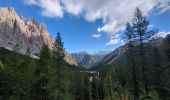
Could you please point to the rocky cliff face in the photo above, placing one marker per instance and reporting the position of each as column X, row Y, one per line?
column 70, row 60
column 17, row 33
column 23, row 35
column 111, row 57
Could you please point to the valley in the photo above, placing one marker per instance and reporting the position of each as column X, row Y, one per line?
column 36, row 66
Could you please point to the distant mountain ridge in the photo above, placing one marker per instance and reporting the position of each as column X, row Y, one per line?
column 112, row 57
column 87, row 60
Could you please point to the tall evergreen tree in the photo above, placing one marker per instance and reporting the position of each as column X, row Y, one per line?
column 167, row 46
column 95, row 88
column 108, row 88
column 59, row 48
column 167, row 72
column 24, row 75
column 8, row 81
column 143, row 34
column 87, row 90
column 158, row 68
column 1, row 64
column 59, row 80
column 131, row 60
column 43, row 73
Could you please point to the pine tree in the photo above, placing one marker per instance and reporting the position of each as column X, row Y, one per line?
column 43, row 73
column 140, row 27
column 167, row 69
column 24, row 75
column 167, row 46
column 87, row 89
column 108, row 88
column 7, row 84
column 158, row 69
column 131, row 62
column 1, row 64
column 59, row 48
column 97, row 88
column 59, row 54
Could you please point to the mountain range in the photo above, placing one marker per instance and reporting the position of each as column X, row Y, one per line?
column 23, row 36
column 88, row 60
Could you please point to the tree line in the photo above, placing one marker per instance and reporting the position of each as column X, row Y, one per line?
column 47, row 78
column 143, row 75
column 144, row 72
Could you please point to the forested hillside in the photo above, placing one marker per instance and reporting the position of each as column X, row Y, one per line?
column 47, row 78
column 141, row 72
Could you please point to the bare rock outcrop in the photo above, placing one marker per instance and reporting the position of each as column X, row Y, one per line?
column 23, row 36
column 15, row 31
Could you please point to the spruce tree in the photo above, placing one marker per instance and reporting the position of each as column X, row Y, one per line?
column 167, row 46
column 96, row 88
column 25, row 74
column 42, row 74
column 108, row 88
column 143, row 34
column 158, row 68
column 131, row 60
column 167, row 69
column 59, row 48
column 1, row 64
column 59, row 73
column 87, row 89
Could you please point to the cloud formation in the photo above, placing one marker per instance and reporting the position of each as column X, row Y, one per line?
column 161, row 34
column 96, row 35
column 114, row 13
column 112, row 42
column 50, row 8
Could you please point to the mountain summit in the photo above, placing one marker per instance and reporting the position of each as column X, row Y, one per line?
column 16, row 32
column 24, row 36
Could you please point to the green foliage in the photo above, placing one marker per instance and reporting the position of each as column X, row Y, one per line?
column 25, row 78
column 16, row 76
column 141, row 73
column 42, row 74
column 1, row 65
column 167, row 46
column 153, row 95
column 143, row 70
column 59, row 49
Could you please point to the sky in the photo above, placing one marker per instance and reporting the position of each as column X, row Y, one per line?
column 92, row 25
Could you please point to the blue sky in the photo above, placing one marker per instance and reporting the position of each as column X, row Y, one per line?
column 90, row 29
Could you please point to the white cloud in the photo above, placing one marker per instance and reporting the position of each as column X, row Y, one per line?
column 50, row 8
column 161, row 34
column 163, row 6
column 116, row 39
column 96, row 35
column 164, row 10
column 112, row 42
column 151, row 26
column 114, row 13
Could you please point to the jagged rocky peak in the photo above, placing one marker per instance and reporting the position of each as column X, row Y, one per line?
column 32, row 20
column 15, row 30
column 41, row 26
column 19, row 34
